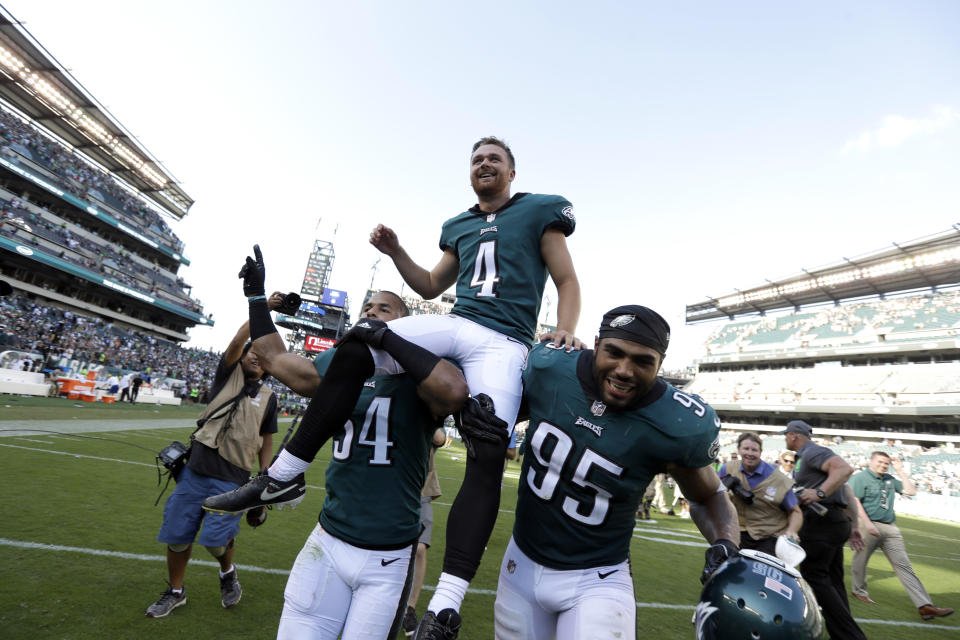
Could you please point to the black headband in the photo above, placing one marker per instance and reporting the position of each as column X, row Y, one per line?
column 637, row 324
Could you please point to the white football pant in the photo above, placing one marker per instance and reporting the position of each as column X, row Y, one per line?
column 537, row 603
column 492, row 363
column 335, row 586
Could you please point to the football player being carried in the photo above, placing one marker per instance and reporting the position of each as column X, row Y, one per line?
column 498, row 253
column 602, row 425
column 351, row 576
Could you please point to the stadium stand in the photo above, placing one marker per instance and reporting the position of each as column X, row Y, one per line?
column 27, row 146
column 867, row 351
column 912, row 318
column 50, row 341
column 72, row 233
column 84, row 206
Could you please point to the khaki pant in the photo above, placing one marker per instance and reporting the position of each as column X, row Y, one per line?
column 891, row 541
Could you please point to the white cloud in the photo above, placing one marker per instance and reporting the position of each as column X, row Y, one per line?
column 896, row 130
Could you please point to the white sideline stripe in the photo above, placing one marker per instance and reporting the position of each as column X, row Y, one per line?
column 126, row 556
column 682, row 543
column 37, row 441
column 283, row 572
column 450, row 504
column 899, row 623
column 77, row 455
column 667, row 532
column 920, row 555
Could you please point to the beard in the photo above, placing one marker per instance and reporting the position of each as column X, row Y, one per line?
column 488, row 189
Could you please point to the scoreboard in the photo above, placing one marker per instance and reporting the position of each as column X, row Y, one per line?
column 317, row 273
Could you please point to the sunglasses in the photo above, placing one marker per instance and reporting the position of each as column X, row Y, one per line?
column 790, row 460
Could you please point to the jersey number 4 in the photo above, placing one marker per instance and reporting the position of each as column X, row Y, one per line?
column 376, row 419
column 553, row 466
column 485, row 275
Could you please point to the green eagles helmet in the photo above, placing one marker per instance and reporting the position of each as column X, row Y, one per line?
column 755, row 596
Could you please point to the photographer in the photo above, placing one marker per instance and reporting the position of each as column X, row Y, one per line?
column 234, row 436
column 823, row 475
column 762, row 495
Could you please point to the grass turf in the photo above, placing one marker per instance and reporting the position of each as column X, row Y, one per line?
column 91, row 503
column 37, row 408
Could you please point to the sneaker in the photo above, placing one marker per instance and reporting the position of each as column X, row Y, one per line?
column 442, row 626
column 409, row 622
column 260, row 491
column 230, row 590
column 167, row 603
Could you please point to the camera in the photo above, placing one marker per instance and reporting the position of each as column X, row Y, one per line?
column 174, row 457
column 290, row 305
column 733, row 485
column 816, row 507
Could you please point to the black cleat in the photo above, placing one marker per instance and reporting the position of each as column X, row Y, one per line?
column 260, row 491
column 442, row 626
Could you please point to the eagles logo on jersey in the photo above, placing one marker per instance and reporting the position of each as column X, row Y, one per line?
column 755, row 595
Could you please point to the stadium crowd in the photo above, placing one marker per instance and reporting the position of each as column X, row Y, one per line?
column 29, row 223
column 80, row 178
column 880, row 320
column 74, row 344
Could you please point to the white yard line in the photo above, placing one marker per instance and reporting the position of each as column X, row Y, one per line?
column 77, row 455
column 38, row 546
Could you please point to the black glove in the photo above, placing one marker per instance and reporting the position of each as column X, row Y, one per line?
column 367, row 330
column 253, row 274
column 476, row 421
column 256, row 516
column 718, row 553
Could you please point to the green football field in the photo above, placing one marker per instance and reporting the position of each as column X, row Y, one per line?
column 78, row 555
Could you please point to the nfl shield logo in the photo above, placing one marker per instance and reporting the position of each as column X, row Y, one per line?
column 491, row 217
column 511, row 566
column 598, row 408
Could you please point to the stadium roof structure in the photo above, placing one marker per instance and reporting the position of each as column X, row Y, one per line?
column 926, row 263
column 33, row 82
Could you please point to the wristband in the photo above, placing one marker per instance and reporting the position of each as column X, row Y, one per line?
column 255, row 298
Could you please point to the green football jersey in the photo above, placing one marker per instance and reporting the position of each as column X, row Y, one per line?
column 379, row 464
column 502, row 275
column 584, row 475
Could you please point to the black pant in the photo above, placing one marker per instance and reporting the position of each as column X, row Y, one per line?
column 823, row 537
column 767, row 545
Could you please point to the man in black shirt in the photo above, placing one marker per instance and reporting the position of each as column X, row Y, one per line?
column 234, row 435
column 137, row 383
column 823, row 474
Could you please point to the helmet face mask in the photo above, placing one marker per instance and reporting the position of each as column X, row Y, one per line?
column 755, row 596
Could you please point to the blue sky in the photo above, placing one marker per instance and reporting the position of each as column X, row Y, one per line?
column 705, row 146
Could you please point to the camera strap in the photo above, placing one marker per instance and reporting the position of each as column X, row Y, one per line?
column 200, row 422
column 213, row 414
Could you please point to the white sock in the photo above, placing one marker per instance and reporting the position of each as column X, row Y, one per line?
column 223, row 573
column 287, row 467
column 449, row 594
column 176, row 591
